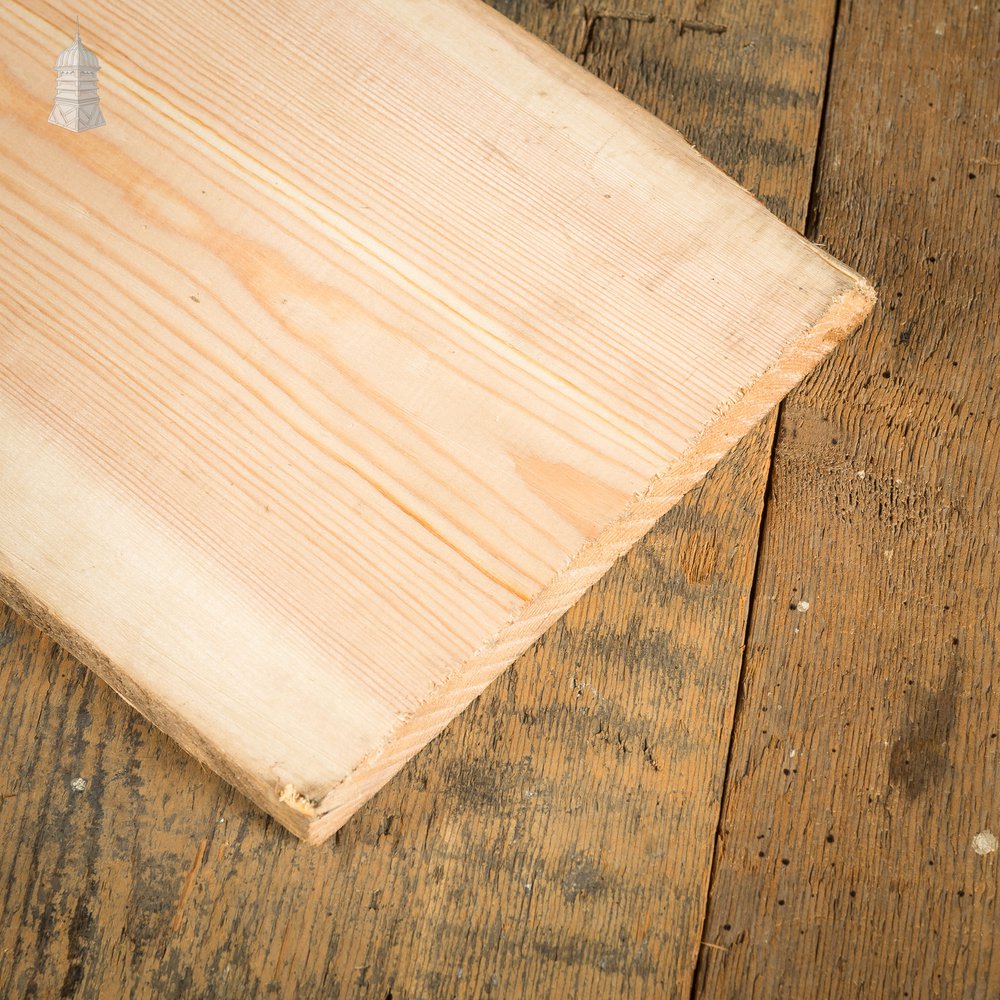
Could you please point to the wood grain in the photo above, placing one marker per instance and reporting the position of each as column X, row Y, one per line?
column 151, row 893
column 377, row 377
column 865, row 756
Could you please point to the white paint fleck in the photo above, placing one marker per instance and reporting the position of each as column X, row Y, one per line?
column 939, row 28
column 985, row 842
column 792, row 753
column 78, row 784
column 861, row 473
column 888, row 553
column 802, row 606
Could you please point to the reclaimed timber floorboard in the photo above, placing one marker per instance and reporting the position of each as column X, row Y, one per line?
column 577, row 861
column 866, row 751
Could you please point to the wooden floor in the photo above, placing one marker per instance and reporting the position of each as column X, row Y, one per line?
column 761, row 757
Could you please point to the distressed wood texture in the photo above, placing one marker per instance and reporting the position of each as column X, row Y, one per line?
column 866, row 747
column 328, row 387
column 573, row 858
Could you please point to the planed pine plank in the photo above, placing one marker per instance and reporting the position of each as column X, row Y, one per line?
column 377, row 377
column 129, row 888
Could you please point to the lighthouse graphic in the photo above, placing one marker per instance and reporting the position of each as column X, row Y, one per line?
column 77, row 106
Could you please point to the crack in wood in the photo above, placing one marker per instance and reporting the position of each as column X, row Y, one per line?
column 585, row 31
column 708, row 27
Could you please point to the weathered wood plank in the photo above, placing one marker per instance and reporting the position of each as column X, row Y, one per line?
column 378, row 375
column 865, row 759
column 134, row 880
